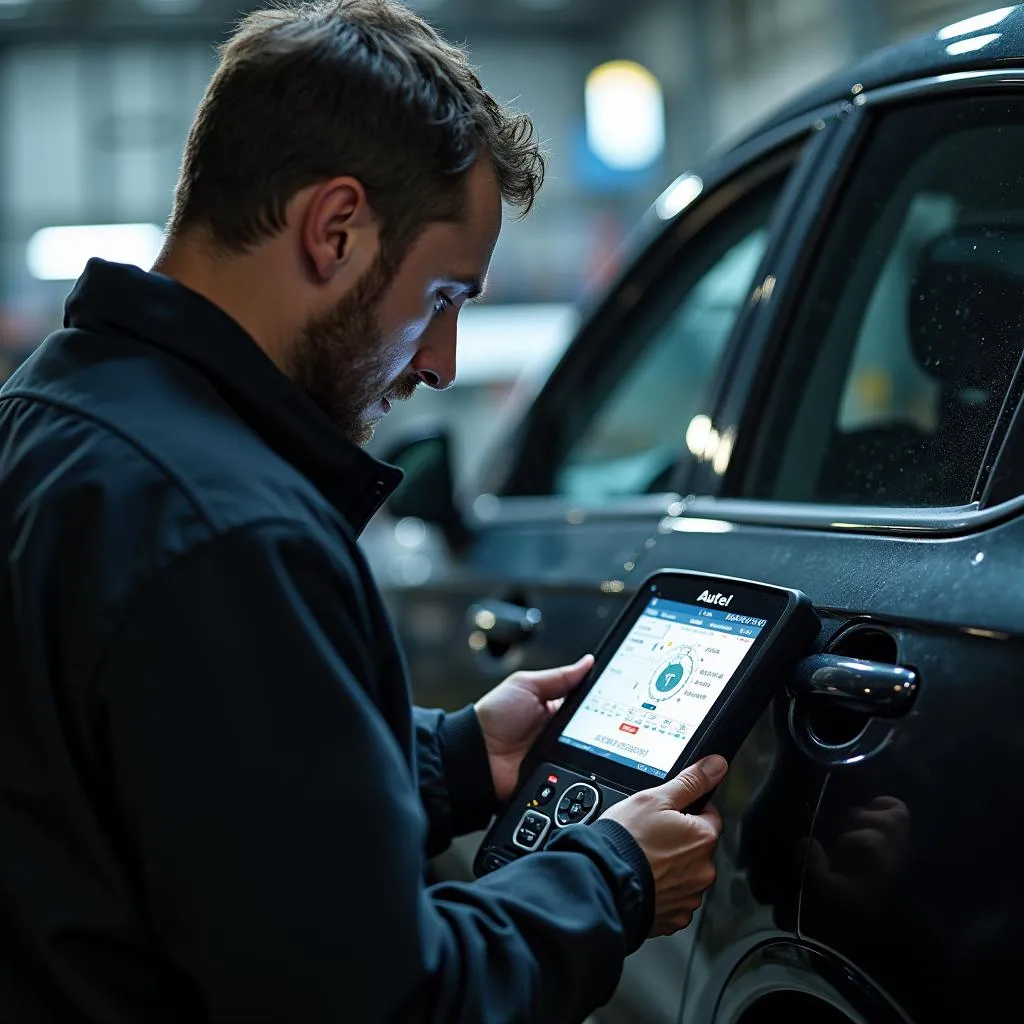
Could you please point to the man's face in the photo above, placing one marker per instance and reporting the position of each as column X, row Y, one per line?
column 393, row 331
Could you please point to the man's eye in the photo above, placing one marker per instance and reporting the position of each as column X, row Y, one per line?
column 441, row 303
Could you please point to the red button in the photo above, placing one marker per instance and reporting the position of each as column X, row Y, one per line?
column 629, row 728
column 553, row 779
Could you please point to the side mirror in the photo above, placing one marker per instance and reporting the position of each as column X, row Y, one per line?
column 428, row 490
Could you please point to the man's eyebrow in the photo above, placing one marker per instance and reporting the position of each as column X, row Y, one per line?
column 472, row 286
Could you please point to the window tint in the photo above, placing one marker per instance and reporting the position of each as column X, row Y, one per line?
column 624, row 433
column 908, row 337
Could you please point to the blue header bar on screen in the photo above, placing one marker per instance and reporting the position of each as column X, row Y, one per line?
column 716, row 619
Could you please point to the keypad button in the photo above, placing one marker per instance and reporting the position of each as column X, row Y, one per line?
column 531, row 830
column 492, row 861
column 578, row 805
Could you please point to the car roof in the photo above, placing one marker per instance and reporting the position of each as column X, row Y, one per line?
column 984, row 42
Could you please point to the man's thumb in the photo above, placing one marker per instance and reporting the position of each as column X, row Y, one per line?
column 697, row 780
column 552, row 683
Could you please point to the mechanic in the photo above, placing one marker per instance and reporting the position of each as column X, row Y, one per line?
column 216, row 800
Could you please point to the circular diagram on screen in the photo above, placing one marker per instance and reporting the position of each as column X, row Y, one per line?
column 672, row 675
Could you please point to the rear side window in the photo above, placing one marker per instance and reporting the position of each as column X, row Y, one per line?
column 631, row 441
column 912, row 327
column 614, row 423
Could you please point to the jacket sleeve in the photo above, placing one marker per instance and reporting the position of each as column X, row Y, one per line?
column 455, row 781
column 278, row 834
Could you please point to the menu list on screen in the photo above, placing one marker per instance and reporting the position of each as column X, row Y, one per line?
column 660, row 684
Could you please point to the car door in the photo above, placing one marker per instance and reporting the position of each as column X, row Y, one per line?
column 868, row 451
column 593, row 468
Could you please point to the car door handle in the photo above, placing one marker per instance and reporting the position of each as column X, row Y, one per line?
column 868, row 687
column 503, row 622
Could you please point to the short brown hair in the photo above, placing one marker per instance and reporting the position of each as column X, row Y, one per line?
column 366, row 88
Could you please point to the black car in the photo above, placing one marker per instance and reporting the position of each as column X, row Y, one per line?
column 810, row 375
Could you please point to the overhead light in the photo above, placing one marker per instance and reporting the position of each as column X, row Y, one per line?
column 970, row 45
column 678, row 196
column 625, row 115
column 975, row 24
column 61, row 253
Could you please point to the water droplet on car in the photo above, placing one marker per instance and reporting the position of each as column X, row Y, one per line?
column 978, row 558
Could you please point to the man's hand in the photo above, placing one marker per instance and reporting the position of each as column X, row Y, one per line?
column 679, row 847
column 514, row 712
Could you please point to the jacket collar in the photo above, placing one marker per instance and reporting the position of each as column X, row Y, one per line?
column 160, row 311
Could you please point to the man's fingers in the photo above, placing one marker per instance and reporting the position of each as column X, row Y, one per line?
column 553, row 683
column 695, row 781
column 712, row 817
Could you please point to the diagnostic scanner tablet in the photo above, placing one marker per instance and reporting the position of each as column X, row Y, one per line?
column 686, row 670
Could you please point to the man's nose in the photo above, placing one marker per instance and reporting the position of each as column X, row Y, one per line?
column 433, row 380
column 434, row 363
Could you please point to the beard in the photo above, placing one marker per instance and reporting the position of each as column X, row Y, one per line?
column 340, row 361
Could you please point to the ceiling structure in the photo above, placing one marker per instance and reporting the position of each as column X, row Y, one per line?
column 30, row 20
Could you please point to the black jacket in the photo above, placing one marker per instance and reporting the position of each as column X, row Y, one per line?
column 216, row 801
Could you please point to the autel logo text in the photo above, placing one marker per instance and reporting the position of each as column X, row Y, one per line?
column 720, row 599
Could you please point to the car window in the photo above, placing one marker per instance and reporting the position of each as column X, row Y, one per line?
column 909, row 333
column 635, row 435
column 613, row 421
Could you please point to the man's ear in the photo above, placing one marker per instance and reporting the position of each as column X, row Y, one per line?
column 339, row 231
